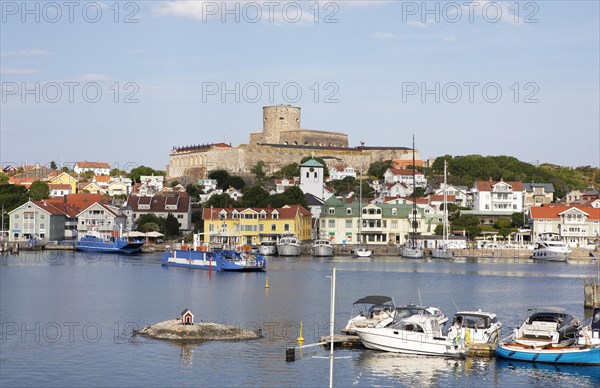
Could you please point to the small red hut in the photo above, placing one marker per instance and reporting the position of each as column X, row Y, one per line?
column 187, row 318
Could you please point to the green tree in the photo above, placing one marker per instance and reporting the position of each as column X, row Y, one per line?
column 259, row 171
column 39, row 190
column 88, row 175
column 255, row 196
column 117, row 172
column 290, row 171
column 220, row 200
column 345, row 185
column 149, row 218
column 418, row 192
column 3, row 178
column 137, row 172
column 193, row 190
column 379, row 167
column 150, row 227
column 503, row 225
column 174, row 183
column 467, row 222
column 222, row 177
column 171, row 226
column 439, row 230
column 53, row 165
column 236, row 182
column 13, row 196
column 518, row 220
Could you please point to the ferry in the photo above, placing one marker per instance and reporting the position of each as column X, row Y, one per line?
column 217, row 260
column 93, row 243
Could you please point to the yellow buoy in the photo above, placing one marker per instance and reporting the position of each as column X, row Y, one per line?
column 300, row 338
column 267, row 282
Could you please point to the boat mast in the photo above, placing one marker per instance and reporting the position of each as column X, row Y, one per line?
column 414, row 198
column 445, row 207
column 360, row 206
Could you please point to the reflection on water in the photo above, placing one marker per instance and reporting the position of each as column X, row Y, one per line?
column 187, row 355
column 549, row 375
column 413, row 371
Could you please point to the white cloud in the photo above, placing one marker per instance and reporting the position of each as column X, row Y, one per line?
column 384, row 35
column 25, row 53
column 14, row 71
column 95, row 77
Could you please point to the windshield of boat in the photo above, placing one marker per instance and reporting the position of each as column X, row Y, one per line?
column 472, row 321
column 405, row 312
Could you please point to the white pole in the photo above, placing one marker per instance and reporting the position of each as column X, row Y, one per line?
column 331, row 328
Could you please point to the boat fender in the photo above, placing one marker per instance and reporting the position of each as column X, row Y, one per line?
column 558, row 357
column 535, row 357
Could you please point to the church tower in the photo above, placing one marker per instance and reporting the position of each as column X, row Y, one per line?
column 311, row 178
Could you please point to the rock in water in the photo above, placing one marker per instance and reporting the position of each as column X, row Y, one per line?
column 204, row 331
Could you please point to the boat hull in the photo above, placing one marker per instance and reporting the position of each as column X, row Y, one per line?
column 267, row 250
column 441, row 254
column 566, row 355
column 390, row 340
column 550, row 255
column 411, row 253
column 322, row 250
column 94, row 244
column 288, row 250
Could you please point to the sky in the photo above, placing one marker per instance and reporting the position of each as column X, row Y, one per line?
column 124, row 82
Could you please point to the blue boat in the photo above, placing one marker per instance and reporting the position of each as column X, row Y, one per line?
column 90, row 243
column 217, row 260
column 575, row 355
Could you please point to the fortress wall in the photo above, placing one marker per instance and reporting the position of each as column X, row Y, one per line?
column 314, row 138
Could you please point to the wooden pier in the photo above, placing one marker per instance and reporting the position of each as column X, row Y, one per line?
column 342, row 341
column 481, row 350
column 591, row 292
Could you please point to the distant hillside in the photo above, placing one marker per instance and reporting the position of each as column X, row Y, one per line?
column 464, row 170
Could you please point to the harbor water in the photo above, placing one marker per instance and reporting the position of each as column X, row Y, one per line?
column 67, row 320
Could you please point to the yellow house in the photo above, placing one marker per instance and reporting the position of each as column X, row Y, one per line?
column 91, row 188
column 65, row 179
column 251, row 225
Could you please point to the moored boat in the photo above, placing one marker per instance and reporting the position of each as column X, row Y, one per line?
column 577, row 355
column 362, row 250
column 267, row 248
column 375, row 311
column 475, row 327
column 589, row 333
column 411, row 309
column 92, row 243
column 550, row 247
column 547, row 326
column 322, row 248
column 417, row 334
column 218, row 260
column 288, row 246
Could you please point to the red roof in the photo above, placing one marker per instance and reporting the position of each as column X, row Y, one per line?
column 78, row 201
column 554, row 211
column 487, row 185
column 59, row 186
column 286, row 212
column 404, row 171
column 87, row 164
column 440, row 198
column 49, row 208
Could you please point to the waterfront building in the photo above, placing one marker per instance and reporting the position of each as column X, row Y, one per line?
column 462, row 195
column 176, row 203
column 251, row 225
column 498, row 196
column 537, row 194
column 101, row 218
column 37, row 221
column 577, row 225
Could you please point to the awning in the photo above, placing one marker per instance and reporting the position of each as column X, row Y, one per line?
column 154, row 234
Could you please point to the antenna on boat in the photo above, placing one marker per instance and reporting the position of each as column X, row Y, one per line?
column 457, row 309
column 419, row 291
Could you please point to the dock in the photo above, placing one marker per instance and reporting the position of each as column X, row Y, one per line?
column 342, row 341
column 481, row 350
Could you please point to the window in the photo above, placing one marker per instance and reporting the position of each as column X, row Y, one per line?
column 42, row 216
column 394, row 224
column 275, row 215
column 211, row 228
column 331, row 210
column 349, row 211
column 331, row 223
column 348, row 224
column 16, row 225
column 16, row 216
column 179, row 216
column 394, row 211
column 273, row 227
column 286, row 227
column 42, row 226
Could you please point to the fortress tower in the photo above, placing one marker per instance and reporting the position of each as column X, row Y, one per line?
column 277, row 119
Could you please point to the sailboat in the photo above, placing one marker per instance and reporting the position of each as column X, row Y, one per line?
column 442, row 251
column 361, row 249
column 411, row 249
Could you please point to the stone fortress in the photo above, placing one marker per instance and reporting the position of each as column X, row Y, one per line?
column 281, row 142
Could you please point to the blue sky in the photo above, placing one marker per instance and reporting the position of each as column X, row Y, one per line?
column 364, row 67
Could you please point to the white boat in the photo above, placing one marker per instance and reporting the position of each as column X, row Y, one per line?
column 288, row 246
column 589, row 334
column 475, row 327
column 411, row 249
column 362, row 251
column 550, row 247
column 375, row 311
column 418, row 334
column 322, row 247
column 410, row 309
column 442, row 252
column 267, row 248
column 547, row 326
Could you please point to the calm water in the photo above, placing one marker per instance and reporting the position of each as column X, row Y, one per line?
column 66, row 320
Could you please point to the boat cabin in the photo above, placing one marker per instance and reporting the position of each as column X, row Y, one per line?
column 187, row 318
column 474, row 320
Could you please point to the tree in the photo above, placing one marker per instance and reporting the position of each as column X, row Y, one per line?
column 418, row 192
column 439, row 230
column 255, row 196
column 39, row 190
column 137, row 172
column 467, row 222
column 3, row 178
column 258, row 170
column 289, row 171
column 174, row 183
column 193, row 190
column 220, row 200
column 378, row 168
column 236, row 182
column 117, row 172
column 150, row 227
column 222, row 177
column 503, row 225
column 88, row 175
column 53, row 165
column 518, row 220
column 171, row 226
column 12, row 196
column 294, row 196
column 149, row 218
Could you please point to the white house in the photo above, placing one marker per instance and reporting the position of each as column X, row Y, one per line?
column 101, row 218
column 577, row 225
column 462, row 195
column 59, row 189
column 281, row 185
column 405, row 176
column 498, row 196
column 207, row 184
column 340, row 171
column 234, row 193
column 99, row 168
column 38, row 221
column 397, row 189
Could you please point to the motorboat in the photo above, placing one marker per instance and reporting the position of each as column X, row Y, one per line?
column 550, row 247
column 418, row 334
column 267, row 248
column 475, row 327
column 322, row 247
column 375, row 311
column 411, row 309
column 216, row 260
column 288, row 246
column 547, row 326
column 589, row 333
column 363, row 250
column 575, row 355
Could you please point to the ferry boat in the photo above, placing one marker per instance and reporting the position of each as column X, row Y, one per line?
column 217, row 260
column 113, row 244
column 288, row 246
column 550, row 247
